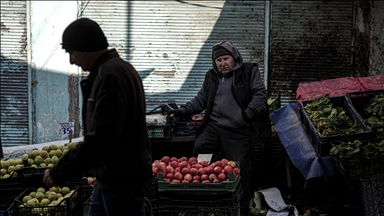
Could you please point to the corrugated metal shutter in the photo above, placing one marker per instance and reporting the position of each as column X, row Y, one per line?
column 14, row 75
column 310, row 41
column 169, row 42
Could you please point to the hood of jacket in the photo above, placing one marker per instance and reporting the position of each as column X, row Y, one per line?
column 235, row 54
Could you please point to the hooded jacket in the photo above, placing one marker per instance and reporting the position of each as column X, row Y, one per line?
column 116, row 142
column 247, row 90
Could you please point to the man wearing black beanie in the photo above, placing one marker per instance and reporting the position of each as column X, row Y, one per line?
column 114, row 126
column 234, row 98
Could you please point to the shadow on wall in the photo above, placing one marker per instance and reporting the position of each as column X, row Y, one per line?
column 242, row 23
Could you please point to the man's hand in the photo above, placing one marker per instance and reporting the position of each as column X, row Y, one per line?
column 175, row 113
column 47, row 179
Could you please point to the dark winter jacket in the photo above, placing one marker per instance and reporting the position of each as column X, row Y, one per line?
column 248, row 90
column 116, row 146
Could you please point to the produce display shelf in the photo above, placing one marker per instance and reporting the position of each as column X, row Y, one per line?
column 228, row 186
column 361, row 99
column 320, row 143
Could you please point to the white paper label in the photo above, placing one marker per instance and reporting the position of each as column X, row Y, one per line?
column 204, row 157
column 66, row 128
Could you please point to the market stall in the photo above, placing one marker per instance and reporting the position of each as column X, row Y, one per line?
column 176, row 139
column 302, row 143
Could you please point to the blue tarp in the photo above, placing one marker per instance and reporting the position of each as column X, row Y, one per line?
column 298, row 146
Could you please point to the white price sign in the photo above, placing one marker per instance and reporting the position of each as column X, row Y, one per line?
column 66, row 128
column 204, row 157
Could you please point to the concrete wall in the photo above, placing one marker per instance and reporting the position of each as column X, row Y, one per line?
column 376, row 64
column 55, row 85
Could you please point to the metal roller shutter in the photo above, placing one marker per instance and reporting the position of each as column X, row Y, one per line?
column 169, row 42
column 14, row 74
column 309, row 41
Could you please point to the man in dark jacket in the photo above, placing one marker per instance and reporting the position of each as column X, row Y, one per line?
column 116, row 147
column 234, row 98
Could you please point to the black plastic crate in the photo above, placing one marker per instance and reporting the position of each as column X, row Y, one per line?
column 201, row 203
column 160, row 129
column 358, row 166
column 152, row 196
column 179, row 126
column 11, row 187
column 320, row 143
column 158, row 123
column 372, row 194
column 87, row 188
column 13, row 182
column 6, row 206
column 68, row 206
column 33, row 177
column 361, row 99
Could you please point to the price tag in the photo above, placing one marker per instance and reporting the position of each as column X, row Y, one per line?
column 204, row 157
column 66, row 128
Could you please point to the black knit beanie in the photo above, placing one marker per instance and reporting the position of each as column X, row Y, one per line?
column 219, row 51
column 84, row 35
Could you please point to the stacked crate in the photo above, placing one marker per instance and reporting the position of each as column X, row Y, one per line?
column 205, row 199
column 10, row 188
column 321, row 143
column 360, row 100
column 367, row 168
column 372, row 194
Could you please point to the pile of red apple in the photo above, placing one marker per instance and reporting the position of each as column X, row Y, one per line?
column 189, row 170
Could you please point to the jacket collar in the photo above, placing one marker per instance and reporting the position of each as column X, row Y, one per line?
column 112, row 53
